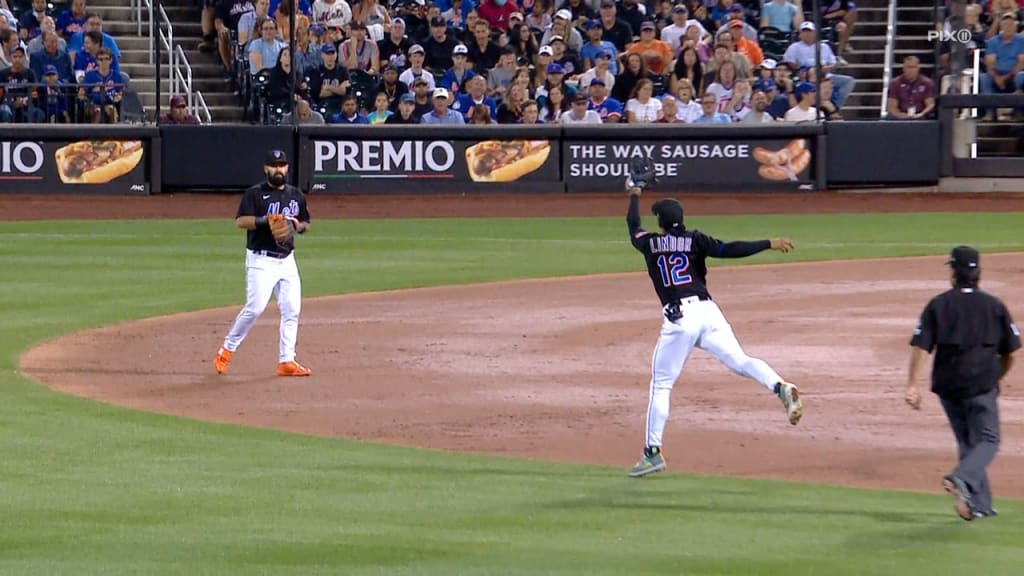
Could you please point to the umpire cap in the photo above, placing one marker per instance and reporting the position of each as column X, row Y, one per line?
column 669, row 212
column 964, row 258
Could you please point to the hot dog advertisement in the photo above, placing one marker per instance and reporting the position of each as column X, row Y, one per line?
column 402, row 166
column 727, row 164
column 103, row 166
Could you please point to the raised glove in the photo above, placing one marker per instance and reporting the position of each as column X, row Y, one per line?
column 641, row 173
column 281, row 228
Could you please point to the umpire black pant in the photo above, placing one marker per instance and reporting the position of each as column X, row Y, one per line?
column 975, row 423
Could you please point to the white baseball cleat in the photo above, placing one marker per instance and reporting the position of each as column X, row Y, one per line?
column 790, row 397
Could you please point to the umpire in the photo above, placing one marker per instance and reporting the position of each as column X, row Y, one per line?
column 973, row 337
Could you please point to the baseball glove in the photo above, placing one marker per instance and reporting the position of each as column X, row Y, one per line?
column 641, row 173
column 282, row 229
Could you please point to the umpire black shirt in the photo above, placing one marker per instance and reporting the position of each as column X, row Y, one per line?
column 969, row 330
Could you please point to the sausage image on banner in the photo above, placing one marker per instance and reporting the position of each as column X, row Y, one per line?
column 97, row 161
column 505, row 160
column 784, row 164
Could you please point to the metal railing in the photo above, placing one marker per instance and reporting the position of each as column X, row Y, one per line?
column 890, row 40
column 179, row 74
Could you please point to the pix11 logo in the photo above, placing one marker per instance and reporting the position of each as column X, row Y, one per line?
column 963, row 36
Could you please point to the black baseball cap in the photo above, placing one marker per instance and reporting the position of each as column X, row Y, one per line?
column 964, row 258
column 276, row 157
column 669, row 212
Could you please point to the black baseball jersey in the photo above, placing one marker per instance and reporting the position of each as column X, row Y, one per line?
column 969, row 330
column 677, row 261
column 262, row 200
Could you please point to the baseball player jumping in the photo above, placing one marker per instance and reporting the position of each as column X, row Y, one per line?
column 272, row 213
column 677, row 267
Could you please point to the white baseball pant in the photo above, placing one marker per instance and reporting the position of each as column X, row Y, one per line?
column 266, row 276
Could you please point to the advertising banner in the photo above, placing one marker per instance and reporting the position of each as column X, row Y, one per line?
column 340, row 166
column 82, row 166
column 730, row 164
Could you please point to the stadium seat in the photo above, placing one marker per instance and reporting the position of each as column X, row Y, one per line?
column 773, row 42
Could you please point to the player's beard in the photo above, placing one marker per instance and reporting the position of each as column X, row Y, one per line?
column 276, row 179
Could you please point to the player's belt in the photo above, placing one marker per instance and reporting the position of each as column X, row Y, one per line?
column 278, row 255
column 690, row 300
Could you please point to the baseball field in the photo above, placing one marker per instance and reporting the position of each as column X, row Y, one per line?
column 478, row 392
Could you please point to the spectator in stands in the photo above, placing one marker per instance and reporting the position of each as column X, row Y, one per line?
column 500, row 77
column 561, row 27
column 86, row 60
column 744, row 67
column 248, row 22
column 710, row 113
column 911, row 94
column 7, row 19
column 94, row 23
column 1004, row 62
column 305, row 7
column 105, row 89
column 476, row 96
column 455, row 15
column 531, row 113
column 657, row 54
column 306, row 115
column 416, row 70
column 783, row 15
column 484, row 53
column 842, row 16
column 72, row 20
column 804, row 111
column 689, row 68
column 674, row 33
column 579, row 113
column 282, row 81
column 525, row 43
column 724, row 88
column 31, row 20
column 36, row 44
column 694, row 39
column 553, row 104
column 439, row 47
column 8, row 42
column 307, row 55
column 359, row 52
column 608, row 109
column 178, row 113
column 455, row 78
column 581, row 12
column 539, row 16
column 613, row 29
column 735, row 19
column 17, row 105
column 802, row 53
column 349, row 113
column 719, row 13
column 395, row 45
column 995, row 12
column 757, row 113
column 829, row 106
column 643, row 107
column 745, row 46
column 511, row 109
column 669, row 111
column 332, row 13
column 566, row 58
column 406, row 111
column 631, row 13
column 281, row 18
column 601, row 69
column 522, row 79
column 391, row 86
column 52, row 100
column 596, row 47
column 372, row 13
column 330, row 83
column 764, row 78
column 51, row 55
column 496, row 13
column 226, row 16
column 482, row 116
column 554, row 76
column 785, row 87
column 417, row 24
column 421, row 91
column 688, row 108
column 263, row 51
column 634, row 71
column 381, row 112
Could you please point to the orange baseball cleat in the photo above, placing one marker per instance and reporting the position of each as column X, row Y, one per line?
column 292, row 368
column 222, row 361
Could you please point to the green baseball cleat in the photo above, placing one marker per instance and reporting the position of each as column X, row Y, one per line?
column 647, row 465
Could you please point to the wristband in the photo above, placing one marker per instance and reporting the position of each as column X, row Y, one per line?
column 261, row 222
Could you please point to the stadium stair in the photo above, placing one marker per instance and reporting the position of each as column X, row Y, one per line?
column 207, row 76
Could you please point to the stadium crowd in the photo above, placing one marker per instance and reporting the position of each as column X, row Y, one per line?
column 57, row 65
column 508, row 62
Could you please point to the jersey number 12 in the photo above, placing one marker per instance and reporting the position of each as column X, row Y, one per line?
column 673, row 269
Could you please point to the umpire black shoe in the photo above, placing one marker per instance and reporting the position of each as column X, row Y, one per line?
column 958, row 488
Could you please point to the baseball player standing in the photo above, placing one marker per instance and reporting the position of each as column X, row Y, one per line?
column 973, row 337
column 271, row 212
column 677, row 267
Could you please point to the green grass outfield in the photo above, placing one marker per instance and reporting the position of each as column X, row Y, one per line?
column 92, row 489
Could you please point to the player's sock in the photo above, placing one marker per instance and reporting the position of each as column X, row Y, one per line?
column 778, row 386
column 652, row 451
